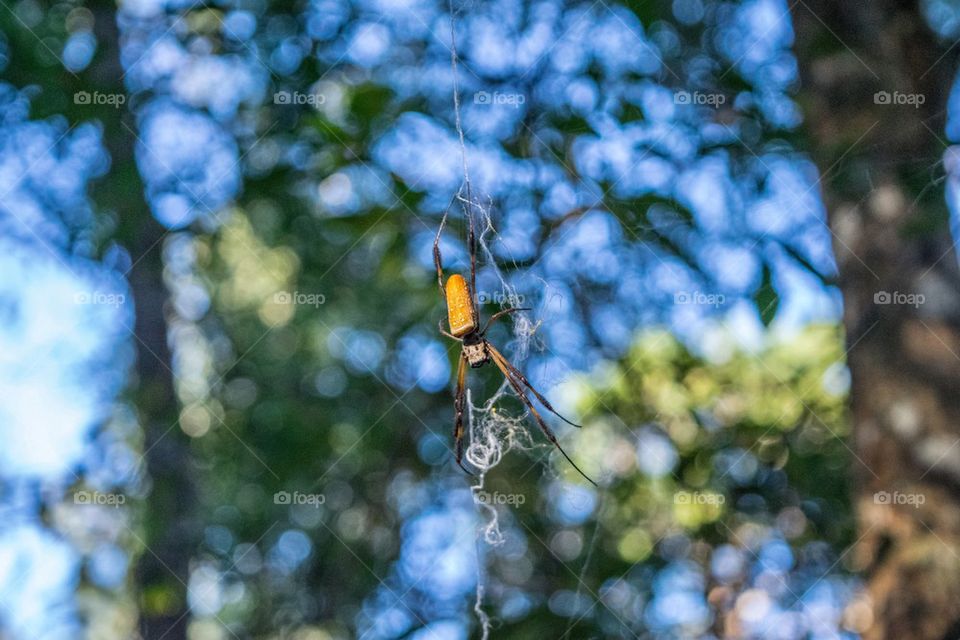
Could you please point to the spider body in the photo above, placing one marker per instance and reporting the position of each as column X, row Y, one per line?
column 464, row 321
column 475, row 350
column 461, row 315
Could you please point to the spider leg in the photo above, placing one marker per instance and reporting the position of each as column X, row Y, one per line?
column 500, row 314
column 459, row 403
column 447, row 333
column 437, row 260
column 472, row 244
column 519, row 376
column 503, row 365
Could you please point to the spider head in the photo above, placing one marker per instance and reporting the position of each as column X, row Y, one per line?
column 475, row 350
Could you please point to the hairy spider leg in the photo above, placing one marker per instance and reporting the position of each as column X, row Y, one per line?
column 500, row 314
column 504, row 367
column 523, row 379
column 459, row 404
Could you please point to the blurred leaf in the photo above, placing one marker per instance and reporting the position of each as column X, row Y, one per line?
column 766, row 298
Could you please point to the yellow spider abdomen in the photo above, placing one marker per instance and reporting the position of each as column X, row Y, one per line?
column 459, row 306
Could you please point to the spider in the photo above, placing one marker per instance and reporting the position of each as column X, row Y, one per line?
column 464, row 320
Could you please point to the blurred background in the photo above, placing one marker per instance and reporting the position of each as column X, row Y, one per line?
column 227, row 410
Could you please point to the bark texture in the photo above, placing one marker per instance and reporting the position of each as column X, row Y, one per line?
column 863, row 66
column 168, row 536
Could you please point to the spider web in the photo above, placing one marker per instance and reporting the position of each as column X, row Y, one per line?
column 490, row 433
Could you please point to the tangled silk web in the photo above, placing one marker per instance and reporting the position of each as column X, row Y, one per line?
column 491, row 432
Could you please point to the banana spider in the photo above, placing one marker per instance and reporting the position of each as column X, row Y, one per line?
column 464, row 320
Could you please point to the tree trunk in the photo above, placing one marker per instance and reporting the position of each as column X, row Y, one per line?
column 879, row 154
column 169, row 536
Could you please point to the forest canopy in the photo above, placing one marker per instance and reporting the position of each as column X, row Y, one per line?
column 714, row 240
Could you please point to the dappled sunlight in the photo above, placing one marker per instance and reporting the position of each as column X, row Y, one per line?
column 236, row 404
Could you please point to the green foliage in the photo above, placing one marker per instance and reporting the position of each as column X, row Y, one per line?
column 778, row 411
column 264, row 416
column 759, row 443
column 782, row 406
